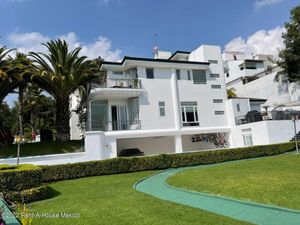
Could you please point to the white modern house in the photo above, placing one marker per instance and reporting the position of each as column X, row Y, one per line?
column 175, row 103
column 172, row 103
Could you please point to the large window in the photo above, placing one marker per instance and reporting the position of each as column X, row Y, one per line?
column 199, row 76
column 189, row 114
column 150, row 73
column 162, row 110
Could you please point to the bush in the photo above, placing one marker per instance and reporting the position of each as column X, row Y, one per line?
column 22, row 183
column 28, row 195
column 18, row 178
column 133, row 164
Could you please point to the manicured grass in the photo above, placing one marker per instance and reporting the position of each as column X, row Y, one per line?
column 112, row 199
column 271, row 180
column 43, row 148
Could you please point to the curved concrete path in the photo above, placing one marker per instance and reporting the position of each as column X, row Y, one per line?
column 241, row 210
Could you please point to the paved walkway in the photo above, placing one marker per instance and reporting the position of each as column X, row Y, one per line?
column 241, row 210
column 8, row 217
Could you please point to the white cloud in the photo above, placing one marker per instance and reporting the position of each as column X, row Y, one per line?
column 102, row 46
column 263, row 3
column 262, row 41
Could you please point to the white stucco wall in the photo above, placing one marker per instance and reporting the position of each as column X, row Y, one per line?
column 265, row 132
column 265, row 87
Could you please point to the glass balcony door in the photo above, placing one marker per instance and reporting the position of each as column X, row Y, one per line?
column 119, row 117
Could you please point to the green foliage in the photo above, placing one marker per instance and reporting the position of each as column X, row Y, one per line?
column 164, row 161
column 27, row 195
column 61, row 73
column 20, row 178
column 41, row 148
column 290, row 56
column 231, row 93
column 22, row 183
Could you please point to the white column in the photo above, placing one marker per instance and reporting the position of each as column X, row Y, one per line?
column 178, row 144
column 175, row 99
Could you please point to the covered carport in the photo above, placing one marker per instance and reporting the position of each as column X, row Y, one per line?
column 148, row 145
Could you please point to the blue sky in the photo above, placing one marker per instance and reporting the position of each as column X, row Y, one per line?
column 114, row 28
column 128, row 26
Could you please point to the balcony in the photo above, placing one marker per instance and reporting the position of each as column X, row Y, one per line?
column 123, row 83
column 99, row 125
column 254, row 116
column 118, row 88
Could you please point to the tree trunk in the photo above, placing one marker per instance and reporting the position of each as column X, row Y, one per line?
column 63, row 119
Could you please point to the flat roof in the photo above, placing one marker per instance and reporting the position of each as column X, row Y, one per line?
column 251, row 99
column 179, row 52
column 128, row 58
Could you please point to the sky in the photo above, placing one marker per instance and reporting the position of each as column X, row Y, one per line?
column 115, row 28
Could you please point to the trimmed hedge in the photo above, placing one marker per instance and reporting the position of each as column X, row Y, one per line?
column 28, row 195
column 22, row 183
column 18, row 178
column 164, row 161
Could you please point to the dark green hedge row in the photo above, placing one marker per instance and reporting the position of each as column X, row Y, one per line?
column 18, row 178
column 125, row 165
column 29, row 195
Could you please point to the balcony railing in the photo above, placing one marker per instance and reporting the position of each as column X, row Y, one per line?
column 122, row 83
column 272, row 115
column 100, row 125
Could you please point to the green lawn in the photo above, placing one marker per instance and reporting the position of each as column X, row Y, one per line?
column 272, row 180
column 106, row 200
column 43, row 148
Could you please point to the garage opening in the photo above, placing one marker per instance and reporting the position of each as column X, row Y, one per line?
column 148, row 145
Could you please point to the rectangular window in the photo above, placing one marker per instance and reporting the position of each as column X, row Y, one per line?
column 248, row 141
column 162, row 110
column 215, row 86
column 250, row 66
column 189, row 114
column 150, row 73
column 217, row 100
column 238, row 108
column 199, row 76
column 189, row 75
column 219, row 113
column 213, row 61
column 178, row 74
column 117, row 72
column 214, row 75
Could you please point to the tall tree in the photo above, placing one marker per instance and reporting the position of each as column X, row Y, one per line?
column 7, row 82
column 290, row 56
column 61, row 73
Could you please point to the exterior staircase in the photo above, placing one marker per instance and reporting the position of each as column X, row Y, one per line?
column 296, row 136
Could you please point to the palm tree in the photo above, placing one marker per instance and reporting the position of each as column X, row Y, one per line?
column 61, row 73
column 231, row 93
column 7, row 83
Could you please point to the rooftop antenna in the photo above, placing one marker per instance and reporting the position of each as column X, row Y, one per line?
column 155, row 49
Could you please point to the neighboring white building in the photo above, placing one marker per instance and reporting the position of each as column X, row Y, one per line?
column 254, row 77
column 177, row 103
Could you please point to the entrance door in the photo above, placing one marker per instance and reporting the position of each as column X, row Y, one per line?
column 119, row 117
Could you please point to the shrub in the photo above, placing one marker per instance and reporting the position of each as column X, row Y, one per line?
column 22, row 183
column 28, row 195
column 18, row 178
column 163, row 161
